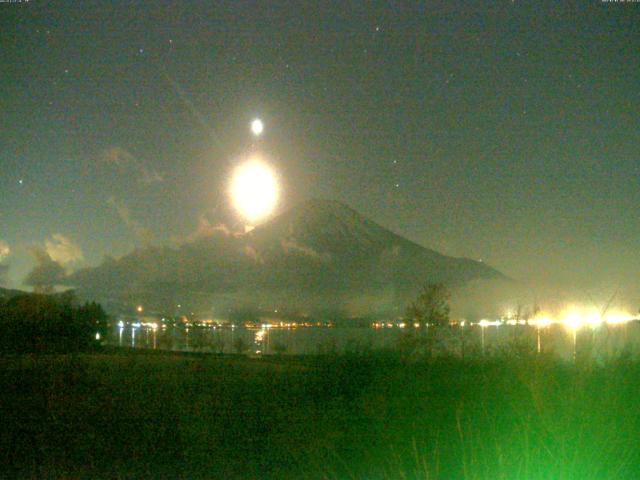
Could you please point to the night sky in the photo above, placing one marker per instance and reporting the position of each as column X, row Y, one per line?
column 501, row 131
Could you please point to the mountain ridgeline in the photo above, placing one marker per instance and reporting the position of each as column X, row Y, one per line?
column 320, row 256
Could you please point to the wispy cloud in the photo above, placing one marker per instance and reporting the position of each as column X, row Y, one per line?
column 127, row 162
column 118, row 156
column 291, row 246
column 142, row 233
column 149, row 176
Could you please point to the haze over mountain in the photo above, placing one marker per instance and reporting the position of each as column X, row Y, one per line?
column 320, row 256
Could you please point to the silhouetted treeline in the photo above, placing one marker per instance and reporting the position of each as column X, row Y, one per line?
column 49, row 323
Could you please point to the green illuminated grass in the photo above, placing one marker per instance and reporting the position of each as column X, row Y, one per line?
column 360, row 415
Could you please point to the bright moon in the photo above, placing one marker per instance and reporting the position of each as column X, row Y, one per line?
column 257, row 127
column 254, row 190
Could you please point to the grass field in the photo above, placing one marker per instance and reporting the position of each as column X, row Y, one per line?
column 123, row 414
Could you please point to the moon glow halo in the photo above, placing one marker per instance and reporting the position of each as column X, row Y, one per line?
column 254, row 190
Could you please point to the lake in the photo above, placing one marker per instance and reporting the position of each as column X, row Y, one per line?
column 600, row 342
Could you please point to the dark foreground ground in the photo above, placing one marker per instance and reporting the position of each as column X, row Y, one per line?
column 373, row 416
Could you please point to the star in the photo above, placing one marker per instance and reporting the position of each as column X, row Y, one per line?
column 21, row 181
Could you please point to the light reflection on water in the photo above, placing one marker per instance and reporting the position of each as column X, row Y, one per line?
column 600, row 343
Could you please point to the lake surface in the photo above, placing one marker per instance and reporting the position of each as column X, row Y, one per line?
column 601, row 342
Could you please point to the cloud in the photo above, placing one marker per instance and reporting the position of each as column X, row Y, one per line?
column 5, row 251
column 291, row 247
column 63, row 250
column 118, row 156
column 53, row 262
column 142, row 233
column 206, row 229
column 47, row 273
column 253, row 254
column 126, row 162
column 3, row 273
column 150, row 176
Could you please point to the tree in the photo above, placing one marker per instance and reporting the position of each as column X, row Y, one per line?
column 431, row 307
column 49, row 323
column 93, row 314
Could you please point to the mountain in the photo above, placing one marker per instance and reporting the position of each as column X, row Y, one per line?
column 318, row 256
column 6, row 294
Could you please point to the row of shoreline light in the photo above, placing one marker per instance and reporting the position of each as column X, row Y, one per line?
column 572, row 318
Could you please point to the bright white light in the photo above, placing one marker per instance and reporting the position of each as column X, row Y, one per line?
column 254, row 190
column 541, row 322
column 572, row 319
column 257, row 127
column 593, row 318
column 489, row 323
column 615, row 318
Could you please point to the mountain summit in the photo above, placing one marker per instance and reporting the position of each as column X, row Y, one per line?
column 328, row 226
column 319, row 255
